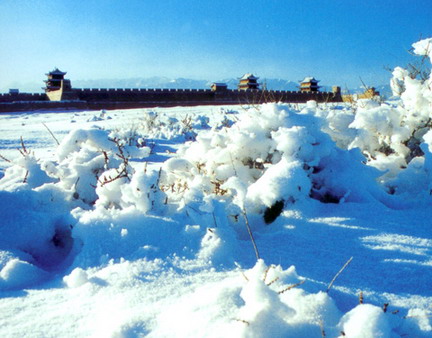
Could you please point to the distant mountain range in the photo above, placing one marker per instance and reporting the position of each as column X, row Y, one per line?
column 150, row 82
column 167, row 83
column 184, row 83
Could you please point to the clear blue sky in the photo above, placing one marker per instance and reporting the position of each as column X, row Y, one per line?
column 337, row 41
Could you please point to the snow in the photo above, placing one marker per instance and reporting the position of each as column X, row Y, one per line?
column 130, row 223
column 309, row 79
column 365, row 320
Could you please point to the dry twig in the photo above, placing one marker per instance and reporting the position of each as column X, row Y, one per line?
column 361, row 299
column 337, row 275
column 5, row 159
column 242, row 321
column 250, row 234
column 321, row 324
column 24, row 152
column 55, row 139
column 292, row 286
column 273, row 281
column 267, row 271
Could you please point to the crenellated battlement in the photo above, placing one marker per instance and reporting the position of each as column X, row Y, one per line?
column 17, row 97
column 123, row 98
column 181, row 95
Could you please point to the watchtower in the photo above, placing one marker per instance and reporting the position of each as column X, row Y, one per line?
column 57, row 87
column 219, row 87
column 309, row 84
column 247, row 82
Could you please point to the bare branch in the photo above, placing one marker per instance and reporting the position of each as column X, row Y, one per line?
column 24, row 152
column 273, row 281
column 55, row 139
column 292, row 286
column 337, row 275
column 250, row 234
column 25, row 177
column 5, row 159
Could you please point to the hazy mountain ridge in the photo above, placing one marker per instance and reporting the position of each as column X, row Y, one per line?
column 150, row 82
column 167, row 83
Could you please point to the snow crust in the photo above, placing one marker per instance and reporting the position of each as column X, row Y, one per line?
column 142, row 228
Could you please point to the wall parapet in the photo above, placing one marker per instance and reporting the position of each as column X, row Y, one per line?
column 146, row 97
column 16, row 97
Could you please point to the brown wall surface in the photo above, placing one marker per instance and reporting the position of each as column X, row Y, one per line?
column 22, row 97
column 147, row 98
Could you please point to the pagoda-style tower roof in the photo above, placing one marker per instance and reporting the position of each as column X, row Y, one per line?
column 249, row 76
column 309, row 84
column 310, row 79
column 56, row 71
column 248, row 81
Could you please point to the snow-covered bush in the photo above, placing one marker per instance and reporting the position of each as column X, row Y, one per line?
column 392, row 136
column 91, row 167
column 27, row 172
column 84, row 155
column 270, row 157
column 91, row 158
column 155, row 125
column 410, row 122
column 269, row 301
column 140, row 191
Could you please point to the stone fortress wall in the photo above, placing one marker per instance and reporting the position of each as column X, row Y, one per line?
column 147, row 98
column 67, row 97
column 202, row 95
column 23, row 97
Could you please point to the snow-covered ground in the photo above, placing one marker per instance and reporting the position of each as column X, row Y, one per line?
column 220, row 221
